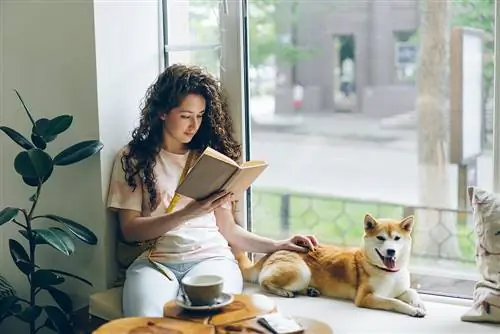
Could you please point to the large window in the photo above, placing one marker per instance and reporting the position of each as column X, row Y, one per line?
column 380, row 107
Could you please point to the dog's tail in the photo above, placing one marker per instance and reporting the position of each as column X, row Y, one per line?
column 249, row 270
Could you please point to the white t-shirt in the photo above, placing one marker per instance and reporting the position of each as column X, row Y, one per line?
column 194, row 240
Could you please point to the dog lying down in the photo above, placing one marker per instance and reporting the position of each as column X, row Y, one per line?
column 374, row 275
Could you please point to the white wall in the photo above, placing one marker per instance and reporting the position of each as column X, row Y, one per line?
column 93, row 60
column 128, row 45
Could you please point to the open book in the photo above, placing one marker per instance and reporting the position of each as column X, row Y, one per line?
column 279, row 323
column 214, row 171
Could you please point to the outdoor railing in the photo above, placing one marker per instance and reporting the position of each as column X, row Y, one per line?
column 447, row 234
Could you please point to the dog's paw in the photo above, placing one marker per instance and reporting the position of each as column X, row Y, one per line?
column 284, row 293
column 418, row 304
column 419, row 312
column 313, row 292
column 288, row 294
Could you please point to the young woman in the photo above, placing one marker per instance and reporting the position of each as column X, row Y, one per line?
column 185, row 110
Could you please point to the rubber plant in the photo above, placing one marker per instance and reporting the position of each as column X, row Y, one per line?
column 35, row 167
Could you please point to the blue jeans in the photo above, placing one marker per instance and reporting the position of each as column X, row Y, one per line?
column 146, row 290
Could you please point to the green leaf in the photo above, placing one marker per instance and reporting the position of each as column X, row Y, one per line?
column 44, row 278
column 60, row 272
column 38, row 240
column 25, row 108
column 17, row 137
column 34, row 182
column 62, row 299
column 81, row 232
column 78, row 152
column 19, row 256
column 17, row 251
column 38, row 141
column 34, row 164
column 49, row 325
column 7, row 214
column 57, row 238
column 31, row 182
column 59, row 320
column 6, row 305
column 40, row 128
column 58, row 125
column 30, row 313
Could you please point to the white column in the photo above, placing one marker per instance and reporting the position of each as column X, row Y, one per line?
column 232, row 77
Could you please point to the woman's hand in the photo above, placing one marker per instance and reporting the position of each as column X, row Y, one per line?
column 298, row 243
column 198, row 208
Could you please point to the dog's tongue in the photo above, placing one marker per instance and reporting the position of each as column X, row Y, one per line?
column 390, row 262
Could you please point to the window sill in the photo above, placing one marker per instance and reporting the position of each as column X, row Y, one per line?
column 443, row 315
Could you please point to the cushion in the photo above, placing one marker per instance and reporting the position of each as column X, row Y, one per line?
column 106, row 305
column 486, row 296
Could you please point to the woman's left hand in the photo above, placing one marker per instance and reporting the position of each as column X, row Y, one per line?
column 298, row 243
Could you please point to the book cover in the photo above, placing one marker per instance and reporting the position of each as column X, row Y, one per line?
column 214, row 171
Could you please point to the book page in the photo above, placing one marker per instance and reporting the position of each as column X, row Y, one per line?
column 206, row 177
column 244, row 177
column 253, row 163
column 217, row 155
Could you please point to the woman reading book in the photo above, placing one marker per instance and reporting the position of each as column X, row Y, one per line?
column 184, row 112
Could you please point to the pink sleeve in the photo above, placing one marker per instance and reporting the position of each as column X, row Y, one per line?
column 121, row 195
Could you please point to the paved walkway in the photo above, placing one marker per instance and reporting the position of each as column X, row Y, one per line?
column 347, row 155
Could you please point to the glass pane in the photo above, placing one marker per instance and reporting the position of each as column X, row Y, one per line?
column 210, row 59
column 193, row 30
column 192, row 22
column 352, row 106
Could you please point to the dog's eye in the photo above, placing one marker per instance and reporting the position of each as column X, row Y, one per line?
column 381, row 238
column 397, row 238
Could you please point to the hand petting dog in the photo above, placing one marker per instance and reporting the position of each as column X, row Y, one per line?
column 298, row 243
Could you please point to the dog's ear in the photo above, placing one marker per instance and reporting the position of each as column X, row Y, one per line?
column 407, row 223
column 370, row 222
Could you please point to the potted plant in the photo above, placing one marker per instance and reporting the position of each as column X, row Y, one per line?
column 35, row 167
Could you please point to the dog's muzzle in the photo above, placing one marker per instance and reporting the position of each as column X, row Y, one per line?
column 389, row 260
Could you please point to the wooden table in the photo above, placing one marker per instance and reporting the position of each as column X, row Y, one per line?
column 237, row 318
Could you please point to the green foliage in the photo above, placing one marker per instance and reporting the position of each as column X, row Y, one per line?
column 265, row 44
column 264, row 39
column 475, row 14
column 35, row 166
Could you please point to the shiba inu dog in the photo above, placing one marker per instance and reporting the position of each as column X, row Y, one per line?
column 374, row 275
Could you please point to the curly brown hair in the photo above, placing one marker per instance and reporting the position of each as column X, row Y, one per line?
column 165, row 94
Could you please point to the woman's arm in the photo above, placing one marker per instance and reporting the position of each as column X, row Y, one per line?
column 247, row 241
column 137, row 228
column 134, row 227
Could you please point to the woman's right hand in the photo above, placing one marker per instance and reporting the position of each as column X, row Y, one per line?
column 207, row 205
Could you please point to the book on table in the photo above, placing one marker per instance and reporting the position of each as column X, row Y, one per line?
column 279, row 323
column 214, row 171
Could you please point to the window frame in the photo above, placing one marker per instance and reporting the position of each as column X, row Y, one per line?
column 233, row 75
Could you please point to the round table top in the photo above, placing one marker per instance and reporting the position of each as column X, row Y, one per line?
column 238, row 317
column 146, row 325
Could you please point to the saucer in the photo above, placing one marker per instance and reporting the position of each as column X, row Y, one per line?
column 224, row 300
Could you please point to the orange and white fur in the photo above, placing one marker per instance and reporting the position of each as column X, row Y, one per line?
column 374, row 275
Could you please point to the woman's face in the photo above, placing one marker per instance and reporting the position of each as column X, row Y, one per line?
column 182, row 123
